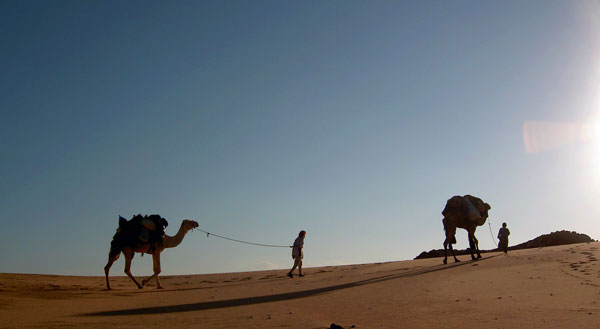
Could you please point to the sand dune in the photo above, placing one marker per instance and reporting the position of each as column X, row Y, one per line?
column 555, row 287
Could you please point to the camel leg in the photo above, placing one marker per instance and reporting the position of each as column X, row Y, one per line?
column 473, row 244
column 445, row 254
column 112, row 257
column 471, row 247
column 128, row 257
column 453, row 255
column 476, row 245
column 445, row 261
column 156, row 267
column 448, row 243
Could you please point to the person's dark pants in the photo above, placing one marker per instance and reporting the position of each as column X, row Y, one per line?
column 503, row 245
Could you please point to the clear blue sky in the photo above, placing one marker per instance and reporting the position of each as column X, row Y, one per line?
column 352, row 120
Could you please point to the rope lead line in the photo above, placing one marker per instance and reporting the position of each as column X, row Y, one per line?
column 492, row 234
column 240, row 241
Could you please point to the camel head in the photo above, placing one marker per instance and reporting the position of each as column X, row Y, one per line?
column 189, row 224
column 484, row 214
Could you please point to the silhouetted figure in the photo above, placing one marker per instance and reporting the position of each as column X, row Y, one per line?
column 297, row 254
column 503, row 237
column 466, row 212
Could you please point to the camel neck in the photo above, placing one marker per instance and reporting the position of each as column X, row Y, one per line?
column 174, row 241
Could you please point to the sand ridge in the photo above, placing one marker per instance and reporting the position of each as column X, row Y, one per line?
column 557, row 287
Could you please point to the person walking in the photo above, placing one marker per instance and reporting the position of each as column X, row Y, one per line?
column 503, row 237
column 297, row 254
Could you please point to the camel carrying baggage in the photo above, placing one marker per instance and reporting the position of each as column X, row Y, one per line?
column 127, row 241
column 465, row 212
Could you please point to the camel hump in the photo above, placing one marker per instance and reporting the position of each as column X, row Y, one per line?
column 452, row 203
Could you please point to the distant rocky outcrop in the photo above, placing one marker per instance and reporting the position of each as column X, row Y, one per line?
column 553, row 239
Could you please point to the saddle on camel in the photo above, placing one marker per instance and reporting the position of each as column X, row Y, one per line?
column 148, row 229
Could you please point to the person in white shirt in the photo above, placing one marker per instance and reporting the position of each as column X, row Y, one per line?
column 297, row 254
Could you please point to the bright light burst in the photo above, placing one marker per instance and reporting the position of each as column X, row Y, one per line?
column 545, row 136
column 539, row 136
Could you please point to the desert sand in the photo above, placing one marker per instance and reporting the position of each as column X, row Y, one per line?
column 554, row 287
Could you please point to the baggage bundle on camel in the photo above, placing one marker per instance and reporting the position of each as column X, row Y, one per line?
column 470, row 211
column 473, row 208
column 149, row 229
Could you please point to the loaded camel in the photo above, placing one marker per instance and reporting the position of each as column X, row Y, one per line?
column 466, row 212
column 128, row 241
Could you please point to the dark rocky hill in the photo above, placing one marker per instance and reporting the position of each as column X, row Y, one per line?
column 553, row 239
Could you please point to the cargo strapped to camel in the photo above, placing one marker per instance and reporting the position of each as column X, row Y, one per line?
column 148, row 229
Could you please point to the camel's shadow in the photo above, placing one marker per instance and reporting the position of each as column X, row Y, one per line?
column 275, row 297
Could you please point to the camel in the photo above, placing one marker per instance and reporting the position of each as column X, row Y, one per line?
column 132, row 245
column 466, row 212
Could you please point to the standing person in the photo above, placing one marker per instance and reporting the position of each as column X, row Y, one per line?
column 297, row 254
column 503, row 237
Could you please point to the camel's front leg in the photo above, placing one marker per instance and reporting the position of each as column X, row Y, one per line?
column 156, row 268
column 476, row 245
column 128, row 257
column 473, row 244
